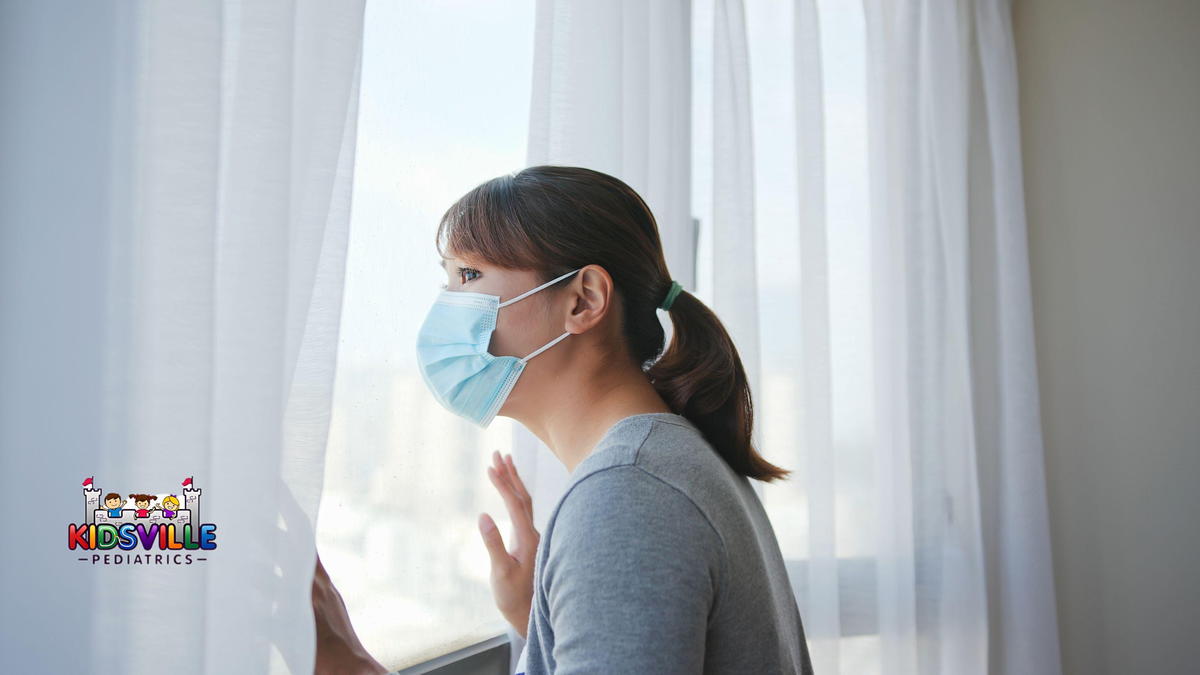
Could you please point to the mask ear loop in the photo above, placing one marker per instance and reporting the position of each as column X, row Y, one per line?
column 531, row 292
column 535, row 290
column 546, row 346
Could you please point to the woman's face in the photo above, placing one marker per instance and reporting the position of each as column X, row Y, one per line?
column 522, row 327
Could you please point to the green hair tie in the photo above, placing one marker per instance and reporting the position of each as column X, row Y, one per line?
column 666, row 303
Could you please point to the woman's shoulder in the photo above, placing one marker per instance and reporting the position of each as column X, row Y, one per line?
column 653, row 470
column 665, row 445
column 651, row 458
column 625, row 517
column 620, row 492
column 622, row 515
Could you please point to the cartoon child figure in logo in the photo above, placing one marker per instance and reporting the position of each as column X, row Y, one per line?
column 142, row 502
column 170, row 506
column 113, row 502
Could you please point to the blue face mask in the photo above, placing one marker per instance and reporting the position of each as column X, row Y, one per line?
column 453, row 357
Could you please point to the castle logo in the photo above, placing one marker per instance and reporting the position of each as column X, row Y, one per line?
column 166, row 527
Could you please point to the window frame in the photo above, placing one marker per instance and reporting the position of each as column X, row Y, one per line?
column 492, row 656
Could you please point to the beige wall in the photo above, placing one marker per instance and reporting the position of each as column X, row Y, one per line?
column 1110, row 106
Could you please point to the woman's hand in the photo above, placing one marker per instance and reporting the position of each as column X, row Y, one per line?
column 338, row 647
column 512, row 573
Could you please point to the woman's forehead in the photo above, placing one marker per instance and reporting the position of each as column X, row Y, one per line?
column 462, row 258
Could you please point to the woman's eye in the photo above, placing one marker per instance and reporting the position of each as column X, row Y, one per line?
column 465, row 272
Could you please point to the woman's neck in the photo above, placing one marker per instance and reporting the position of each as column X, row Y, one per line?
column 581, row 415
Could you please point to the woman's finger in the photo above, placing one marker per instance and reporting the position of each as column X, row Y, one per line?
column 501, row 560
column 508, row 469
column 514, row 504
column 524, row 534
column 501, row 469
column 515, row 479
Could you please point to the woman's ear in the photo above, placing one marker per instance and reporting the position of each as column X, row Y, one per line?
column 591, row 298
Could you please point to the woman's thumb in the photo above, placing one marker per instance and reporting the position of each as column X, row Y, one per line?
column 493, row 541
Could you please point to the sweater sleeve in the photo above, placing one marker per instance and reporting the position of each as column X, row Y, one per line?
column 632, row 573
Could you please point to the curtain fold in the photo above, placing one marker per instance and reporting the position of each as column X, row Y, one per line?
column 919, row 56
column 734, row 242
column 1023, row 619
column 822, row 612
column 213, row 297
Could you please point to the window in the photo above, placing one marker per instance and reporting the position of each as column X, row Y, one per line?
column 444, row 106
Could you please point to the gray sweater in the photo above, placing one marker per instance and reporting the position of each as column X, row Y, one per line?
column 660, row 559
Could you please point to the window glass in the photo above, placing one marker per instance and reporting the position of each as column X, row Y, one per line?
column 444, row 106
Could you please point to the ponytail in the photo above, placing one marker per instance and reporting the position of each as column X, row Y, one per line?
column 701, row 377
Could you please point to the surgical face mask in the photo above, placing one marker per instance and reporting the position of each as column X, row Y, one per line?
column 453, row 357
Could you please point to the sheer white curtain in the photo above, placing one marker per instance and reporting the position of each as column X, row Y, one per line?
column 855, row 169
column 963, row 538
column 175, row 198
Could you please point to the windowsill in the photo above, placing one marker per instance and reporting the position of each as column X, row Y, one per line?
column 492, row 655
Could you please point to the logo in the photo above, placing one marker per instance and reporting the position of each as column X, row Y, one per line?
column 146, row 528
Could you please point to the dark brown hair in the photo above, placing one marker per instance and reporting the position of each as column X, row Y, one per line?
column 112, row 495
column 554, row 219
column 142, row 498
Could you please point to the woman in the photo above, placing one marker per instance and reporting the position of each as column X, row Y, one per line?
column 659, row 557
